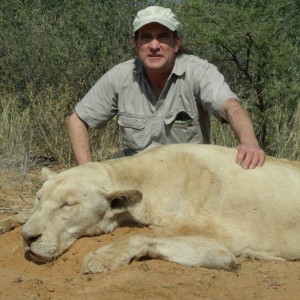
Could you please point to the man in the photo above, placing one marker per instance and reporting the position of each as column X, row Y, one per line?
column 163, row 96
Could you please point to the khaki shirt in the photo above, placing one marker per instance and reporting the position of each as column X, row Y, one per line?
column 193, row 91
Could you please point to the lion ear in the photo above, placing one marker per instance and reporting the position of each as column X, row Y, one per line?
column 47, row 174
column 120, row 201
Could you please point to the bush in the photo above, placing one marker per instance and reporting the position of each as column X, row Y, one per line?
column 52, row 52
column 255, row 44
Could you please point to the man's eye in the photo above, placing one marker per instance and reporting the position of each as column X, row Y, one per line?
column 145, row 37
column 165, row 36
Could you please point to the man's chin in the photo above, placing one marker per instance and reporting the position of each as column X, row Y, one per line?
column 156, row 67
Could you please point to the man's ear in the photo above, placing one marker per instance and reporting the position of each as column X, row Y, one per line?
column 177, row 43
column 120, row 201
column 47, row 174
column 135, row 48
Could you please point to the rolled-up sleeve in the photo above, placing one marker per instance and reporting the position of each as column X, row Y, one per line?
column 100, row 104
column 213, row 89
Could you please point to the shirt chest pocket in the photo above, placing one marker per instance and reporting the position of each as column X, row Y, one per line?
column 182, row 127
column 133, row 131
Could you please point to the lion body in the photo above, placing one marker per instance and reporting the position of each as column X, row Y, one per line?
column 205, row 209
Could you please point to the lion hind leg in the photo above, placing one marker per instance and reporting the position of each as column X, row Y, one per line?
column 185, row 250
column 14, row 221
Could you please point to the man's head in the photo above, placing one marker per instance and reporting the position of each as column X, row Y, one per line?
column 156, row 41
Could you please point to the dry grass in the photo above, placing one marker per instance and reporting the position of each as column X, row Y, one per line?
column 38, row 134
column 15, row 135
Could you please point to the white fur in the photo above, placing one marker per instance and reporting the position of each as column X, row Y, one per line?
column 206, row 209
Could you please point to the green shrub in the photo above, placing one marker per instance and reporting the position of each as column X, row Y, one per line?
column 255, row 44
column 52, row 52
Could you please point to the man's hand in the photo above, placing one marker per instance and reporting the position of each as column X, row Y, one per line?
column 250, row 156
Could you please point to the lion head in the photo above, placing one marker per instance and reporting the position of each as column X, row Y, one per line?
column 71, row 205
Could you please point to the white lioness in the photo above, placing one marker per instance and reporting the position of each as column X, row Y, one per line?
column 208, row 209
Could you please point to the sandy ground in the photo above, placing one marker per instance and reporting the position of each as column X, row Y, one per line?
column 147, row 279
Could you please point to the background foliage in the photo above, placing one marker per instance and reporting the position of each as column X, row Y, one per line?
column 52, row 52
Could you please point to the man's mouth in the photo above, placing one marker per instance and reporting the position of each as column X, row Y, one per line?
column 155, row 56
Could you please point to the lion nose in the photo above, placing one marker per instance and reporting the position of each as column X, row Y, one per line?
column 30, row 238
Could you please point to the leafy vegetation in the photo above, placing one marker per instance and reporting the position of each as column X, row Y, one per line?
column 256, row 46
column 52, row 52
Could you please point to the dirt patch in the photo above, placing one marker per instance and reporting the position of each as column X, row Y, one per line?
column 147, row 279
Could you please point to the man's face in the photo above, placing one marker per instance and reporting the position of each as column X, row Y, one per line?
column 157, row 48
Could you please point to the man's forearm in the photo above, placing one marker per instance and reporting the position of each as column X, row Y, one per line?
column 250, row 155
column 79, row 139
column 240, row 122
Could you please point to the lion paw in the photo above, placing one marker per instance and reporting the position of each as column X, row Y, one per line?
column 106, row 258
column 96, row 263
column 7, row 225
column 14, row 221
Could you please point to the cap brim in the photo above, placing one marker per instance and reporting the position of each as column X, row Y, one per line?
column 147, row 21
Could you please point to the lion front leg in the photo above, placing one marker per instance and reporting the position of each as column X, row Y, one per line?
column 116, row 254
column 14, row 221
column 185, row 250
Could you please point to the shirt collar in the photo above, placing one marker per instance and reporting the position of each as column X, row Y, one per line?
column 138, row 66
column 179, row 67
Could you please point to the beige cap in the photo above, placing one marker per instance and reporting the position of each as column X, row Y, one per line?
column 156, row 14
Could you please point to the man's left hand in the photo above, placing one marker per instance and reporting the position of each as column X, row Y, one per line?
column 250, row 156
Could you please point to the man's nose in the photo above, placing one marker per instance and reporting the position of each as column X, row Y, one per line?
column 154, row 44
